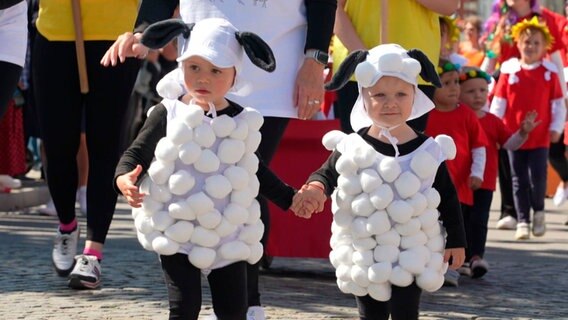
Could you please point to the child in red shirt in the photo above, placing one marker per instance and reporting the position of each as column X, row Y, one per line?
column 514, row 98
column 473, row 93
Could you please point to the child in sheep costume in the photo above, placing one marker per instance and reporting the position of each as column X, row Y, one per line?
column 196, row 207
column 385, row 182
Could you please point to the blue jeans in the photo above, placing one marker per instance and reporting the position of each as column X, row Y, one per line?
column 477, row 222
column 529, row 180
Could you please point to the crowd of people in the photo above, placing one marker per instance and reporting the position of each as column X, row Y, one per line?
column 179, row 107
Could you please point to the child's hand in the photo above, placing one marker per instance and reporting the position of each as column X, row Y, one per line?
column 127, row 185
column 457, row 255
column 475, row 183
column 529, row 123
column 554, row 136
column 309, row 199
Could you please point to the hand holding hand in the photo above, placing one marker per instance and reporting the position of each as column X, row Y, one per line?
column 127, row 185
column 309, row 199
column 475, row 183
column 457, row 255
column 126, row 45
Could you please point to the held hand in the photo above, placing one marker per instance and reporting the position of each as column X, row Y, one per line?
column 127, row 185
column 308, row 90
column 457, row 255
column 126, row 45
column 474, row 183
column 529, row 122
column 554, row 136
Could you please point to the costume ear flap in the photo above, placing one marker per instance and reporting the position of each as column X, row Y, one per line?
column 257, row 50
column 159, row 34
column 346, row 69
column 428, row 72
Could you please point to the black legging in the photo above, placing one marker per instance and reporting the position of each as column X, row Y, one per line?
column 272, row 131
column 403, row 305
column 9, row 76
column 183, row 280
column 557, row 158
column 59, row 101
column 506, row 186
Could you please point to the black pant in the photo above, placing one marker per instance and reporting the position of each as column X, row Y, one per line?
column 506, row 186
column 272, row 131
column 9, row 76
column 347, row 96
column 59, row 104
column 227, row 284
column 557, row 158
column 403, row 305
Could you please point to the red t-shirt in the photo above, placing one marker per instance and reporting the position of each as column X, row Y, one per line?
column 497, row 134
column 531, row 92
column 463, row 126
column 562, row 27
column 510, row 50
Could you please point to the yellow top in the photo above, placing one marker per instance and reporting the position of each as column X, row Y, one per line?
column 410, row 25
column 102, row 19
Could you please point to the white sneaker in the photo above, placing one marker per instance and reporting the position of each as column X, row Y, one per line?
column 81, row 198
column 86, row 274
column 49, row 209
column 560, row 196
column 539, row 224
column 451, row 278
column 507, row 223
column 8, row 182
column 255, row 313
column 523, row 232
column 64, row 251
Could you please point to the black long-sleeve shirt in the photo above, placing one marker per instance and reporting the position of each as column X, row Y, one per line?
column 141, row 152
column 320, row 15
column 450, row 209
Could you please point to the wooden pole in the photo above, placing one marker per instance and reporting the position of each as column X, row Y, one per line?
column 384, row 21
column 80, row 46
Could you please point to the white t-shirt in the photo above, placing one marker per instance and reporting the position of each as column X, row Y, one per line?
column 13, row 33
column 283, row 25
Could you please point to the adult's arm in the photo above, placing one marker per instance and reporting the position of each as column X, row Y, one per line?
column 345, row 30
column 320, row 15
column 443, row 7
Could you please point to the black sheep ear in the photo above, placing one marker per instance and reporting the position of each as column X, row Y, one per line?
column 159, row 34
column 346, row 69
column 428, row 72
column 257, row 50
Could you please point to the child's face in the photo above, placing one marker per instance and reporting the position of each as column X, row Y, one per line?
column 389, row 101
column 448, row 95
column 518, row 5
column 473, row 92
column 532, row 47
column 471, row 31
column 205, row 82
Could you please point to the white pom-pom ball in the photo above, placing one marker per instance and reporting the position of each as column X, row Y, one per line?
column 344, row 255
column 204, row 237
column 234, row 250
column 181, row 182
column 254, row 212
column 180, row 231
column 252, row 141
column 363, row 258
column 364, row 156
column 390, row 237
column 364, row 244
column 359, row 275
column 243, row 197
column 343, row 272
column 343, row 200
column 419, row 202
column 207, row 162
column 433, row 197
column 217, row 186
column 343, row 218
column 436, row 261
column 370, row 180
column 400, row 277
column 169, row 88
column 249, row 162
column 364, row 73
column 143, row 224
column 146, row 239
column 380, row 272
column 407, row 184
column 236, row 214
column 428, row 218
column 178, row 132
column 237, row 176
column 400, row 211
column 160, row 193
column 223, row 125
column 411, row 261
column 252, row 233
column 210, row 219
column 165, row 246
column 417, row 239
column 378, row 223
column 423, row 164
column 350, row 184
column 345, row 165
column 145, row 185
column 204, row 135
column 343, row 285
column 231, row 150
column 386, row 253
column 199, row 203
column 332, row 138
column 359, row 228
column 225, row 228
column 160, row 171
column 380, row 291
column 448, row 146
column 166, row 150
column 161, row 220
column 408, row 228
column 381, row 197
column 256, row 252
column 389, row 169
column 150, row 206
column 189, row 152
column 241, row 131
column 430, row 280
column 192, row 115
column 253, row 118
column 362, row 206
column 436, row 244
column 433, row 231
column 201, row 258
column 181, row 210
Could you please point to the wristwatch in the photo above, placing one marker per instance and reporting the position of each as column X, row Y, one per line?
column 318, row 55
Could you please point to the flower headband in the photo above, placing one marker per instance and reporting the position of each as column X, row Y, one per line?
column 447, row 67
column 533, row 24
column 474, row 73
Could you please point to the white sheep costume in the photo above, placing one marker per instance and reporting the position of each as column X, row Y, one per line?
column 385, row 228
column 201, row 185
